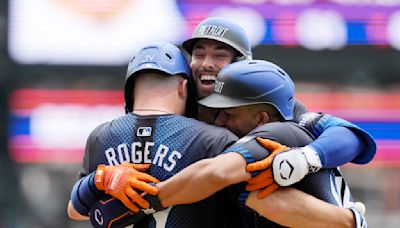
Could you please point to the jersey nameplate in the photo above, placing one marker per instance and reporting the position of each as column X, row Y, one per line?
column 139, row 153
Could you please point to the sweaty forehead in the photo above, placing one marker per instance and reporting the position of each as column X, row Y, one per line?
column 212, row 44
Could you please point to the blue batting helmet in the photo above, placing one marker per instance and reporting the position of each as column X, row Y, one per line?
column 163, row 57
column 221, row 30
column 253, row 82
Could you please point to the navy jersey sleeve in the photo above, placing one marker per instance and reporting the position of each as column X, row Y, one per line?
column 88, row 165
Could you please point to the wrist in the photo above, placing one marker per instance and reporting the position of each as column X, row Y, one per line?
column 155, row 204
column 84, row 194
column 99, row 177
column 313, row 159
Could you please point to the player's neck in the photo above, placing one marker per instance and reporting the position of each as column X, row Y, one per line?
column 157, row 106
column 153, row 108
column 151, row 111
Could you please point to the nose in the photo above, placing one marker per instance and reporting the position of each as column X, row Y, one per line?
column 220, row 120
column 208, row 63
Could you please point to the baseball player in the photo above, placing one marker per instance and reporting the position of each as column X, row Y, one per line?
column 236, row 55
column 216, row 42
column 266, row 93
column 153, row 132
column 105, row 147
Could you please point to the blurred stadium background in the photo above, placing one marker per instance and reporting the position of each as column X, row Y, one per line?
column 62, row 69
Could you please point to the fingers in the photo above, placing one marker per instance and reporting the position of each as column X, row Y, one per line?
column 127, row 202
column 143, row 186
column 267, row 191
column 259, row 165
column 259, row 186
column 146, row 177
column 274, row 149
column 271, row 145
column 136, row 198
column 138, row 167
column 262, row 180
column 267, row 143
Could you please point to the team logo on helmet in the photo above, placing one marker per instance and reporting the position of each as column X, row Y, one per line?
column 218, row 86
column 212, row 30
column 224, row 31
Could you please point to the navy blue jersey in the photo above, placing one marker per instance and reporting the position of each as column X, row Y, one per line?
column 169, row 143
column 327, row 184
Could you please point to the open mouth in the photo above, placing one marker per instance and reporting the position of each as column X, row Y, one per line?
column 208, row 79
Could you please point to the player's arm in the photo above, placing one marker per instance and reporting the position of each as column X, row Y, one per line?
column 360, row 147
column 202, row 179
column 74, row 214
column 338, row 141
column 293, row 208
column 84, row 192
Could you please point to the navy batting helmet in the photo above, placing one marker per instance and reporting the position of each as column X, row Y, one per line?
column 221, row 30
column 166, row 58
column 253, row 82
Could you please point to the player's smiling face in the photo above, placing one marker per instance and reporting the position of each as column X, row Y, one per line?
column 208, row 58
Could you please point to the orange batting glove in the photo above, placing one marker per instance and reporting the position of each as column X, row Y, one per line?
column 114, row 180
column 264, row 181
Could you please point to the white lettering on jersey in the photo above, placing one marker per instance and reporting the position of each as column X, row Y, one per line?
column 146, row 153
column 140, row 154
column 171, row 159
column 160, row 155
column 123, row 153
column 136, row 152
column 111, row 156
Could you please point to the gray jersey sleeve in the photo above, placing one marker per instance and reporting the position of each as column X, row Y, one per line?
column 287, row 133
column 299, row 109
column 216, row 140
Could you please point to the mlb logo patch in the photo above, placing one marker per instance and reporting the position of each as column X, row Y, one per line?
column 144, row 131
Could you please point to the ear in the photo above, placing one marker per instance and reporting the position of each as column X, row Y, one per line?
column 182, row 89
column 263, row 118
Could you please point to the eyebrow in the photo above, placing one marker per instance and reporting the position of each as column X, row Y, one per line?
column 219, row 47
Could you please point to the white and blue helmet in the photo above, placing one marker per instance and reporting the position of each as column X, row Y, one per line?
column 250, row 82
column 166, row 58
